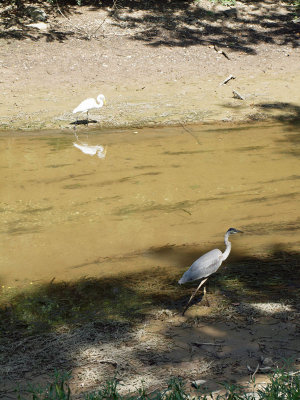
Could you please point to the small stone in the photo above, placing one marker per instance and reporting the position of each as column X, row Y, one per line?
column 198, row 383
column 267, row 361
column 36, row 13
column 252, row 396
column 39, row 25
column 236, row 95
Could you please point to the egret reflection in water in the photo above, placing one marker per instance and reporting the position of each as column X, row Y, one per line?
column 99, row 150
column 91, row 150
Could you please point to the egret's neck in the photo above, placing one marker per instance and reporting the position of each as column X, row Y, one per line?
column 100, row 100
column 228, row 247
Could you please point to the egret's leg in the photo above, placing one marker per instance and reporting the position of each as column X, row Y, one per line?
column 193, row 295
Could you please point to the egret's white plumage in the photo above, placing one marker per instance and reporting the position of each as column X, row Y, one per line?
column 89, row 104
column 91, row 150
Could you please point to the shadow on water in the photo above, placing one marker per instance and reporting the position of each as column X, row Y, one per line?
column 51, row 324
column 128, row 298
column 170, row 23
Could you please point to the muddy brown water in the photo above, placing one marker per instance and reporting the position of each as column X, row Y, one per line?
column 66, row 214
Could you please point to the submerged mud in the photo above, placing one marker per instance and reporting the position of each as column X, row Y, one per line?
column 65, row 213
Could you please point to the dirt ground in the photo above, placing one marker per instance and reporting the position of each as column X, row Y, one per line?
column 246, row 340
column 156, row 63
column 251, row 327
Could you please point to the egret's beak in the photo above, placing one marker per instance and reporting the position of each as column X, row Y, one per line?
column 104, row 102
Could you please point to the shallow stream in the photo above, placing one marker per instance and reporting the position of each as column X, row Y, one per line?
column 68, row 214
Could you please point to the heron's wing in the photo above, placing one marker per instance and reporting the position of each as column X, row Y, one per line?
column 203, row 267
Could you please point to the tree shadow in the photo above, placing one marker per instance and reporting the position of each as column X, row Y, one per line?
column 287, row 112
column 182, row 24
column 99, row 322
column 178, row 23
column 16, row 21
column 283, row 112
column 129, row 297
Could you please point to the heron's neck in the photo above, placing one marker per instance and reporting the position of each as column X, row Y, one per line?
column 228, row 247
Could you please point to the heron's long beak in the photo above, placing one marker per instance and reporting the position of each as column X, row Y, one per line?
column 239, row 231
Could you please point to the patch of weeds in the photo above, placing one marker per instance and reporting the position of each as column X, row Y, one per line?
column 59, row 389
column 41, row 308
column 283, row 385
column 109, row 391
column 175, row 390
column 128, row 298
column 296, row 3
column 265, row 279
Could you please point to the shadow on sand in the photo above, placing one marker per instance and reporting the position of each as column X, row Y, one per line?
column 168, row 23
column 61, row 324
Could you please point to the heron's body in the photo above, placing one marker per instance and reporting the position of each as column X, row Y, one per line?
column 90, row 104
column 203, row 267
column 207, row 264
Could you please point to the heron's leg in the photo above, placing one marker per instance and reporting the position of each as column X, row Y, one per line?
column 193, row 295
column 87, row 117
column 205, row 296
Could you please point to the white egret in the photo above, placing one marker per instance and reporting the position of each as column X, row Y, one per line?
column 89, row 104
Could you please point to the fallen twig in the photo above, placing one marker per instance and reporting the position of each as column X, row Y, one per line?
column 227, row 80
column 186, row 211
column 236, row 95
column 263, row 370
column 114, row 363
column 190, row 132
column 206, row 344
column 221, row 52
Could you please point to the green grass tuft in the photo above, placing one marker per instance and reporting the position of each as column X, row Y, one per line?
column 283, row 385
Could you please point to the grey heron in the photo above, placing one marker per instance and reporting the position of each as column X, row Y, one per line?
column 89, row 104
column 206, row 265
